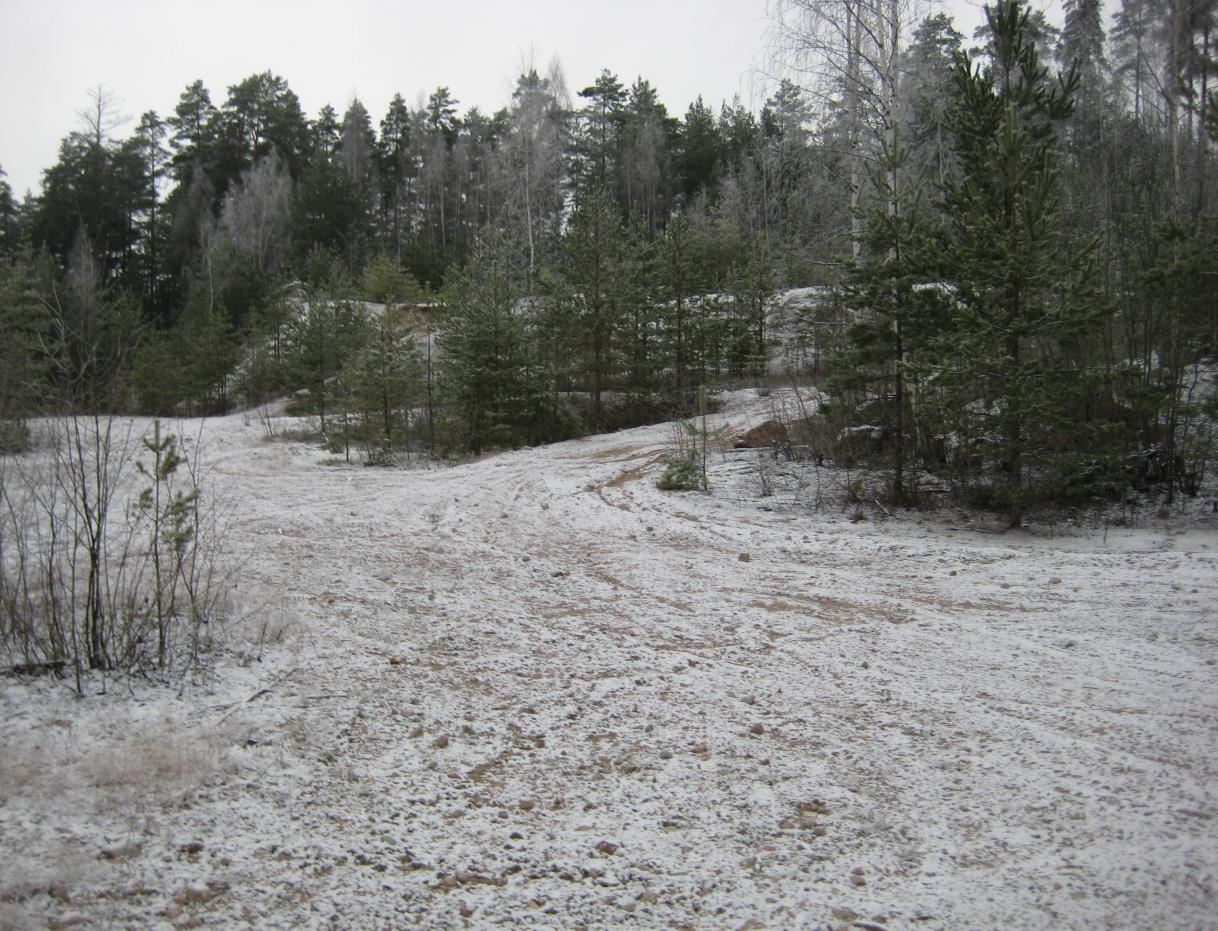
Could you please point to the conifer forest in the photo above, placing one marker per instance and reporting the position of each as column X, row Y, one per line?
column 1011, row 237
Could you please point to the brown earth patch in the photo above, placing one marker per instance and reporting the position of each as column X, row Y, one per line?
column 636, row 473
column 482, row 773
column 617, row 452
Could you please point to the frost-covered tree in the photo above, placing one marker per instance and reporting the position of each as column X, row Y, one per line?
column 530, row 166
column 257, row 213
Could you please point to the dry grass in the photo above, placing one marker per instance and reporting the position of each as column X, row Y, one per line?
column 144, row 764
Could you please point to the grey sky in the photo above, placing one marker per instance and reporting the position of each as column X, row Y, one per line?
column 147, row 51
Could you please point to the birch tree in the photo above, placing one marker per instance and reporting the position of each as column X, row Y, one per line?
column 846, row 54
column 257, row 213
column 531, row 170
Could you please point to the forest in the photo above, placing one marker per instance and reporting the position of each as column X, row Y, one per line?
column 1010, row 240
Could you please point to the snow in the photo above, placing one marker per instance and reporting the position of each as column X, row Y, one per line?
column 536, row 691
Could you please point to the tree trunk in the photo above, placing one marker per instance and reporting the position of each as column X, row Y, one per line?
column 854, row 37
column 1013, row 430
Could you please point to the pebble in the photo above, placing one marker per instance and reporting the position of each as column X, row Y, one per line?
column 195, row 892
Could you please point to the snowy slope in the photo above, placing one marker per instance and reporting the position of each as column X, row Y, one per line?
column 535, row 691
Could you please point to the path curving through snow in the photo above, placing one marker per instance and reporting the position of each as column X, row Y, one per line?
column 535, row 691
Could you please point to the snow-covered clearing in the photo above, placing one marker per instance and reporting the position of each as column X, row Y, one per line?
column 536, row 691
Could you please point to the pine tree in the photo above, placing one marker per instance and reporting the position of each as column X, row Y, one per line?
column 386, row 380
column 489, row 373
column 325, row 337
column 152, row 158
column 896, row 307
column 261, row 116
column 592, row 265
column 679, row 277
column 597, row 139
column 699, row 151
column 10, row 229
column 22, row 367
column 1024, row 297
column 396, row 168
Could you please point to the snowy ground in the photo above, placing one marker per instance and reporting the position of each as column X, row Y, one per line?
column 535, row 691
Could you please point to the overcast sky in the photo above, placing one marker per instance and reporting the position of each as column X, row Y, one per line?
column 147, row 51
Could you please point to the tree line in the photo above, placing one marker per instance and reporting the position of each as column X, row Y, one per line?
column 1030, row 299
column 1015, row 241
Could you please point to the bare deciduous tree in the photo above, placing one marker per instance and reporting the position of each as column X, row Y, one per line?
column 257, row 214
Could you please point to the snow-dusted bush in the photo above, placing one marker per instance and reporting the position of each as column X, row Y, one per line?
column 108, row 552
column 681, row 473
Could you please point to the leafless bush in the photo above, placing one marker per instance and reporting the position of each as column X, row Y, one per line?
column 814, row 462
column 108, row 552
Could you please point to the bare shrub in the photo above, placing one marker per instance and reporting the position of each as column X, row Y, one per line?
column 108, row 552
